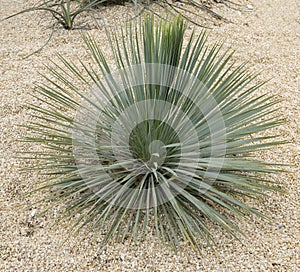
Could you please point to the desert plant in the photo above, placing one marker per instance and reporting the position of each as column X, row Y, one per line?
column 164, row 139
column 62, row 11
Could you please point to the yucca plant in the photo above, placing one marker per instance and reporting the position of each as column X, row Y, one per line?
column 62, row 11
column 163, row 140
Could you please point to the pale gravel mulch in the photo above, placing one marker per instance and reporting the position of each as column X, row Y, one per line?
column 269, row 37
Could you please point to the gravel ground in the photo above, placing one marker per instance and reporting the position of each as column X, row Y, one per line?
column 267, row 34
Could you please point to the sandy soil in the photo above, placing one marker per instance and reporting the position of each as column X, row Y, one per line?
column 268, row 35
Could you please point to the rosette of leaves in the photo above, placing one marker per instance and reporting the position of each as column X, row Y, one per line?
column 162, row 141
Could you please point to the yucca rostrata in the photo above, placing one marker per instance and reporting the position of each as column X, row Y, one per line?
column 163, row 139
